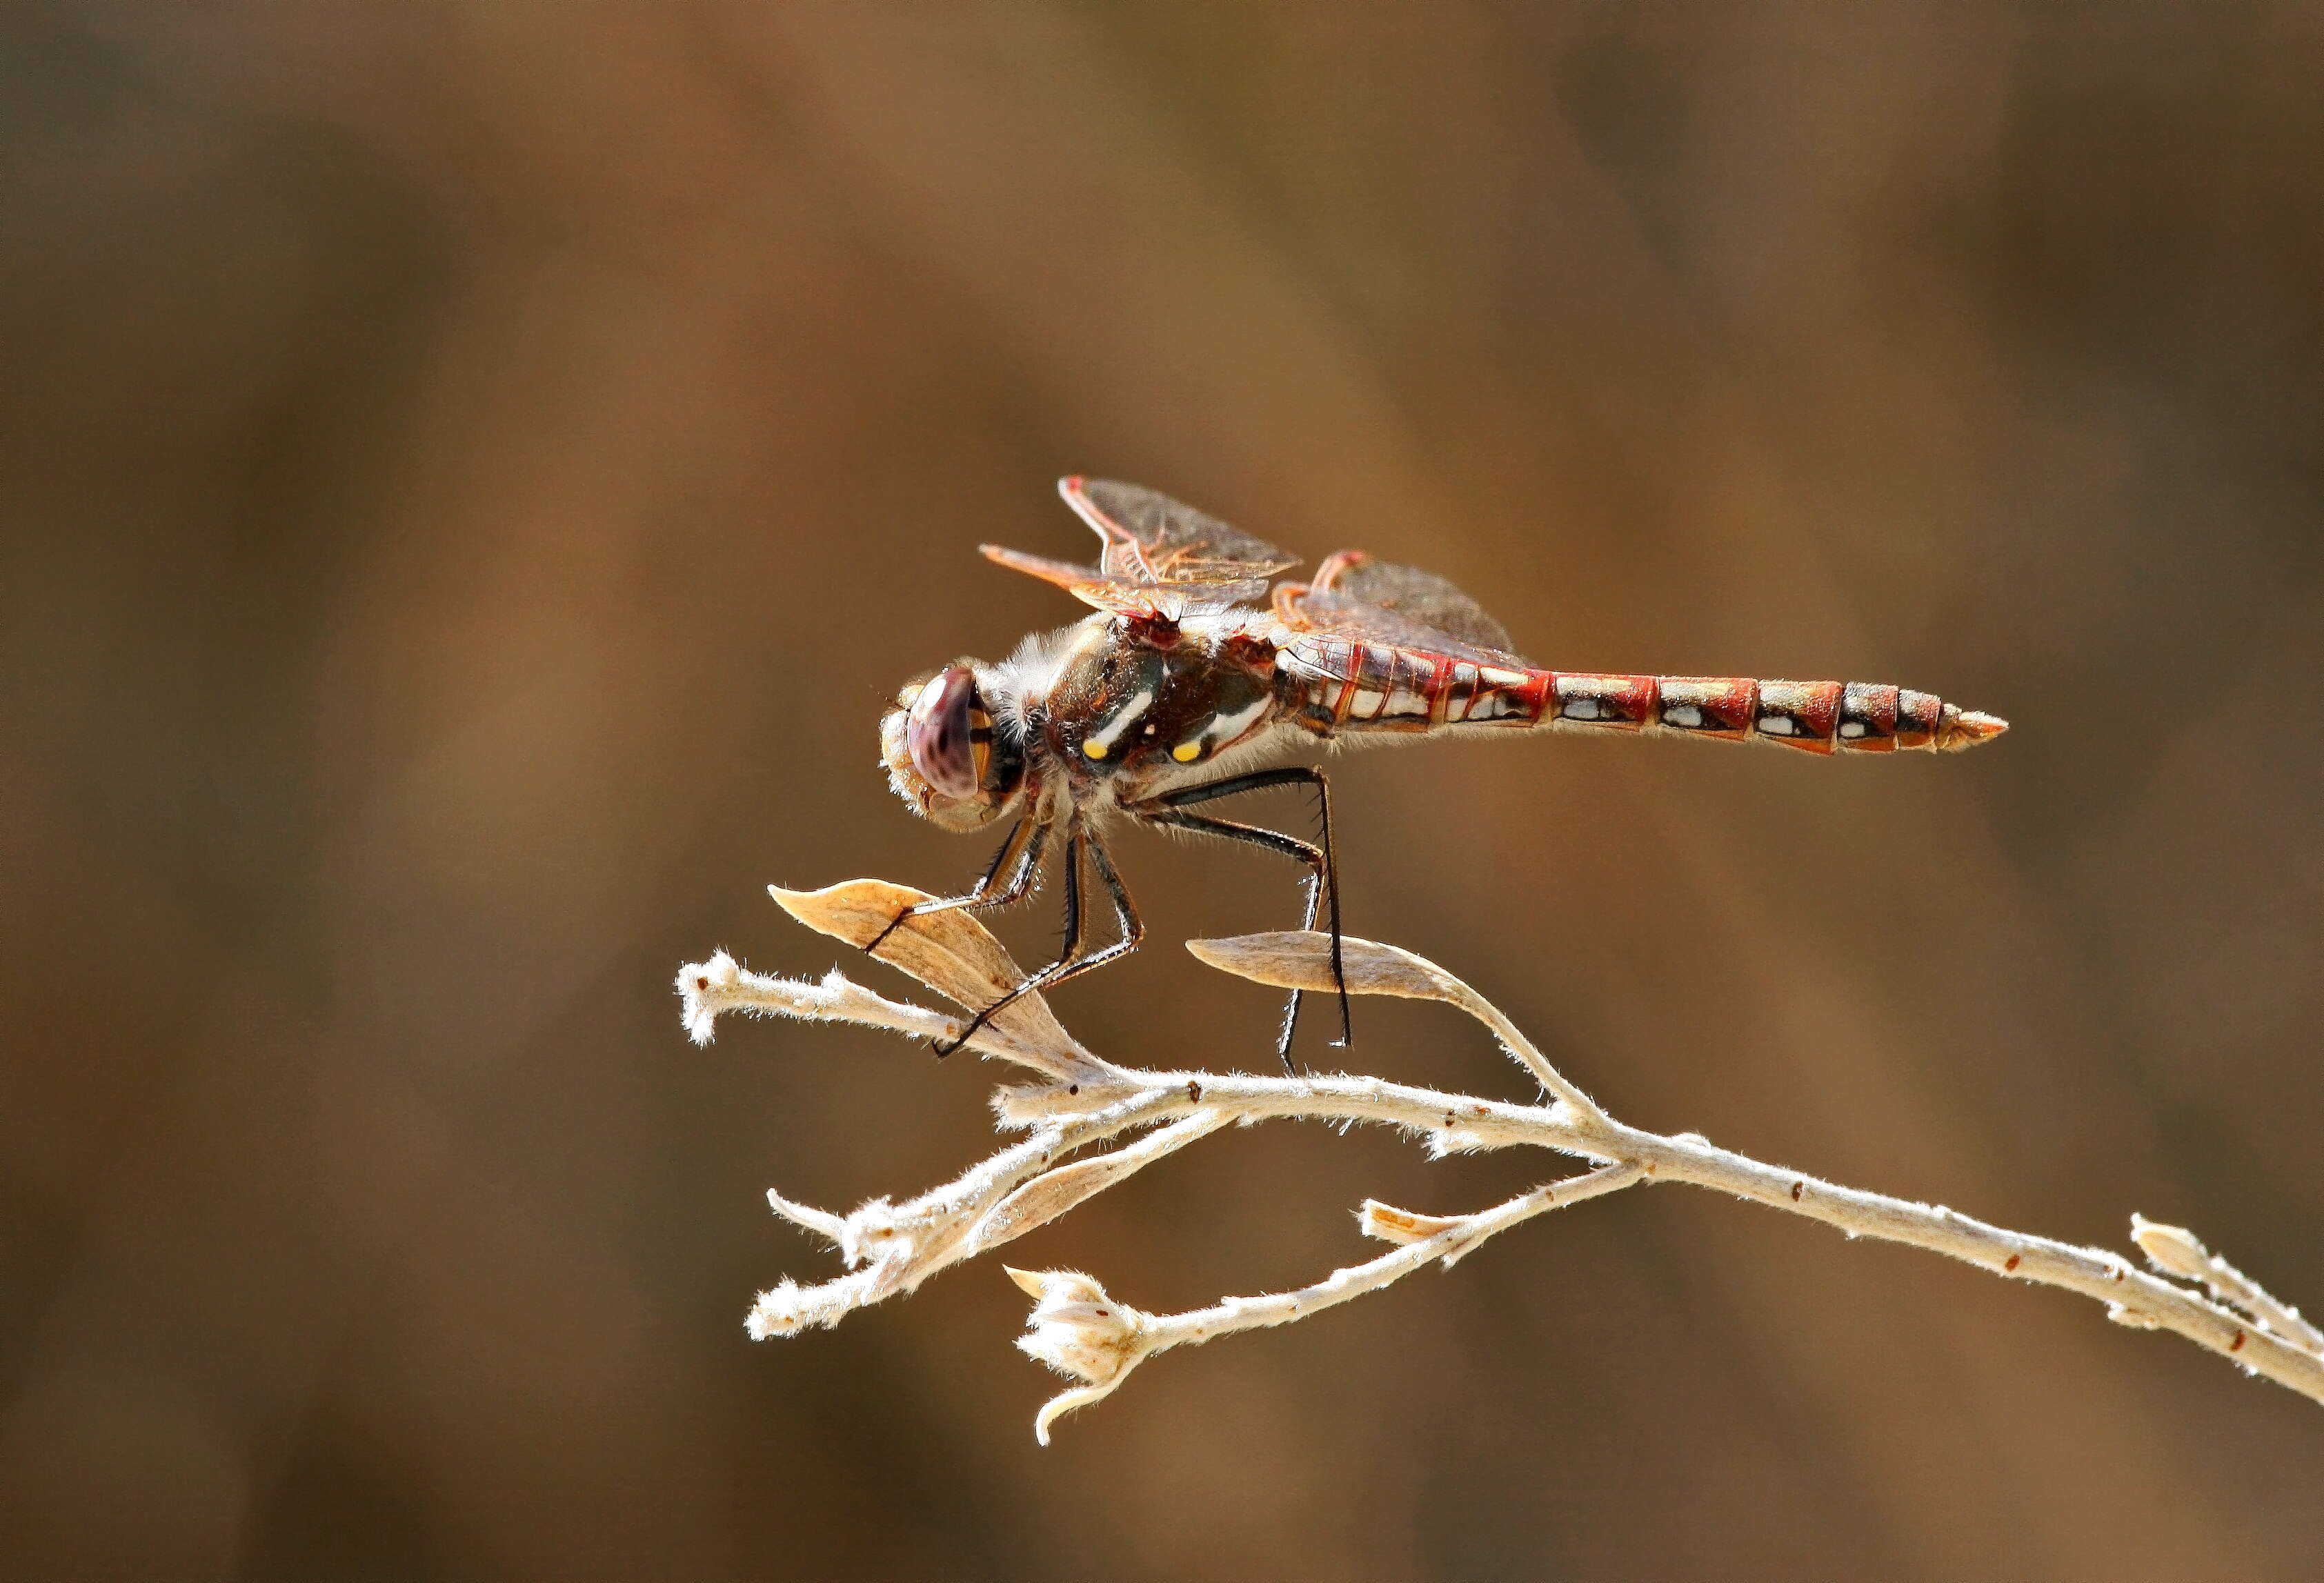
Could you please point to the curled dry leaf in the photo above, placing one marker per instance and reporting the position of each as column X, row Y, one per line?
column 949, row 951
column 1390, row 1224
column 808, row 1218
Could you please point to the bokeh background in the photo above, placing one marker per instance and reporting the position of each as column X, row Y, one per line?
column 472, row 473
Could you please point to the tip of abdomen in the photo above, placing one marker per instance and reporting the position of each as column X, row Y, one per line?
column 1965, row 728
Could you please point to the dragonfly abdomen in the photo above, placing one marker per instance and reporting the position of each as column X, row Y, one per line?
column 1338, row 685
column 1816, row 717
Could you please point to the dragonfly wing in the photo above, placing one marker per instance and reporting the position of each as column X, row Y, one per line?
column 1378, row 602
column 1160, row 557
column 1119, row 595
column 1150, row 538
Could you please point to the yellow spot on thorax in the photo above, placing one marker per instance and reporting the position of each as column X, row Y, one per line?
column 1186, row 753
column 1095, row 750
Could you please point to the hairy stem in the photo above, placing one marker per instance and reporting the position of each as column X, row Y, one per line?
column 1086, row 1102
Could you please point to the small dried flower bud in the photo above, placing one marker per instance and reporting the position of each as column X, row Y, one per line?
column 1075, row 1328
column 2172, row 1248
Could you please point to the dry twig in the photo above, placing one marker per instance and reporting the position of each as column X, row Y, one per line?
column 1082, row 1101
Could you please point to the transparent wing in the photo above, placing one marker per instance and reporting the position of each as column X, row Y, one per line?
column 1377, row 601
column 1159, row 555
column 1151, row 538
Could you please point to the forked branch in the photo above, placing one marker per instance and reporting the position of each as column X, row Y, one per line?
column 1075, row 1114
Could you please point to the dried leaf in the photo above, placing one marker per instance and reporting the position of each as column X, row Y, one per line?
column 1301, row 959
column 806, row 1217
column 949, row 951
column 1390, row 1224
column 1053, row 1193
column 2172, row 1249
column 1044, row 1198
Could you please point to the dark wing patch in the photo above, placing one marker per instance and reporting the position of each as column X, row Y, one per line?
column 1161, row 557
column 1356, row 596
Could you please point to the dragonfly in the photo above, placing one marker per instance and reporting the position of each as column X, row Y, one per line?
column 1192, row 678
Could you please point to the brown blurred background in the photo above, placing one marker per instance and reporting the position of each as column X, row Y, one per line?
column 473, row 473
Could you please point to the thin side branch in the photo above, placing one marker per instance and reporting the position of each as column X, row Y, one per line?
column 1074, row 1321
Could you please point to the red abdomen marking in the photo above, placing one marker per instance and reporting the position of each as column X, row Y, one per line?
column 1611, row 703
column 1719, row 707
column 1800, row 714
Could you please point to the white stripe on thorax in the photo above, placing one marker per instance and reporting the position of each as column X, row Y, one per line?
column 1127, row 716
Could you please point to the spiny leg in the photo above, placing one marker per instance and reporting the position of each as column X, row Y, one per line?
column 1323, row 880
column 1131, row 929
column 1071, row 943
column 1070, row 962
column 1276, row 841
column 1028, row 840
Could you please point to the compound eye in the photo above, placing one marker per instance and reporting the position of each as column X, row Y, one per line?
column 949, row 734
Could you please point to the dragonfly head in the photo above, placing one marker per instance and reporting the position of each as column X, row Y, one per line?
column 941, row 753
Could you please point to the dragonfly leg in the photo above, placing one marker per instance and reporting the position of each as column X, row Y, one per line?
column 1071, row 960
column 1027, row 842
column 1322, row 863
column 1272, row 840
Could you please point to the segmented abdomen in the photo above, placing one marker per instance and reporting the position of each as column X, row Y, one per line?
column 1334, row 685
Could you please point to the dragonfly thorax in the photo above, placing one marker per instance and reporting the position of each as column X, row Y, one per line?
column 1104, row 713
column 1134, row 705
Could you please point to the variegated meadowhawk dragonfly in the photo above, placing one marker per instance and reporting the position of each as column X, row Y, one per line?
column 1174, row 694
